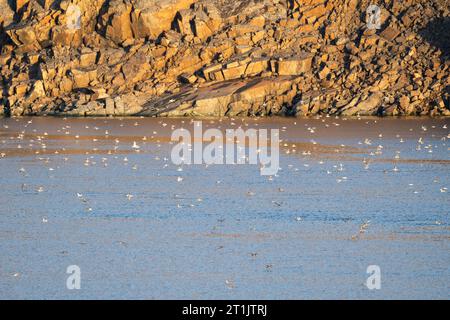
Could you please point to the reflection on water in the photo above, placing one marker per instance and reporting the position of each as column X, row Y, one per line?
column 103, row 194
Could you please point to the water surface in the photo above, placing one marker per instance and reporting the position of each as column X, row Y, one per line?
column 76, row 192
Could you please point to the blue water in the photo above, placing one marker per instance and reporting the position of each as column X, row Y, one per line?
column 224, row 232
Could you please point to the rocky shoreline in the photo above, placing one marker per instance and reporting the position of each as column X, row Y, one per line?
column 223, row 58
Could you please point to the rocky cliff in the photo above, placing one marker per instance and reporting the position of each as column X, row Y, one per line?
column 224, row 57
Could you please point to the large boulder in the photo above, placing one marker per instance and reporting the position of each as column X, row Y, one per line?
column 365, row 107
column 124, row 19
column 295, row 65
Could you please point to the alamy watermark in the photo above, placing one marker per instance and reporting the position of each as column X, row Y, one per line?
column 73, row 17
column 373, row 282
column 229, row 149
column 373, row 17
column 73, row 281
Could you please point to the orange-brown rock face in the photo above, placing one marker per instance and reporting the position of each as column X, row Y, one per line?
column 224, row 57
column 139, row 19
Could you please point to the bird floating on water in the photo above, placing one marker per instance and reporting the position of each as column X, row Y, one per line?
column 135, row 145
column 364, row 227
column 230, row 284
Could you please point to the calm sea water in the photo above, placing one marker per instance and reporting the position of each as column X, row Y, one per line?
column 350, row 193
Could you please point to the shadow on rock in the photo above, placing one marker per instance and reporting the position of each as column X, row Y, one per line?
column 437, row 33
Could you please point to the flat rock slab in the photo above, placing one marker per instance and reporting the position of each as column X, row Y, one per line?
column 214, row 99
